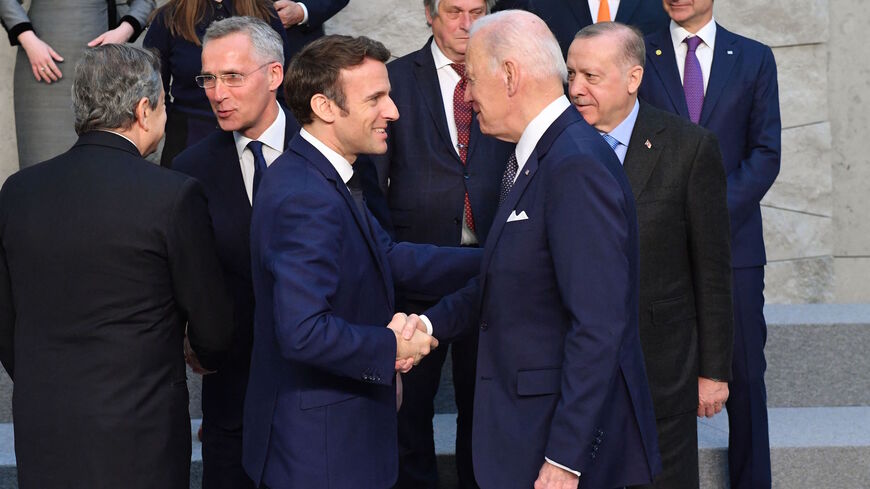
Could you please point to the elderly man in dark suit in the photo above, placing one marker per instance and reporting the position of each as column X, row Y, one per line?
column 727, row 84
column 676, row 175
column 561, row 394
column 104, row 258
column 443, row 179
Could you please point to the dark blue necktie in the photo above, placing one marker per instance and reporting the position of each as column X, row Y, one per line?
column 256, row 148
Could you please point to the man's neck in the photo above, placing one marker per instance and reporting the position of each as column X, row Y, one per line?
column 264, row 122
column 325, row 135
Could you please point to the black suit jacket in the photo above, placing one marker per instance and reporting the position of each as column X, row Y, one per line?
column 214, row 161
column 676, row 174
column 566, row 17
column 104, row 258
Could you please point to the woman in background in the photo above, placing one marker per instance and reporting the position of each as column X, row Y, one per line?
column 43, row 116
column 176, row 31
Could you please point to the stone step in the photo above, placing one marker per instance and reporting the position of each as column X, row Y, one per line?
column 810, row 448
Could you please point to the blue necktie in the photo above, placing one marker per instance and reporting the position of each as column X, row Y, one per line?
column 611, row 141
column 693, row 79
column 256, row 148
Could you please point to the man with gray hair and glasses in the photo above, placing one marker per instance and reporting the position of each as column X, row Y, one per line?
column 242, row 71
column 104, row 259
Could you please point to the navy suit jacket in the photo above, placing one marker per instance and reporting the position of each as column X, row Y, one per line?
column 565, row 18
column 320, row 410
column 560, row 368
column 214, row 161
column 319, row 11
column 741, row 107
column 427, row 180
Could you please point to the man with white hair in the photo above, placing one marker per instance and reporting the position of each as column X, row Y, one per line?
column 561, row 394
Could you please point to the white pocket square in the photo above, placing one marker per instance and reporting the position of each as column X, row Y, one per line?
column 517, row 217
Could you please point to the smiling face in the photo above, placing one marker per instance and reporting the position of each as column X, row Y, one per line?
column 361, row 127
column 487, row 92
column 249, row 109
column 692, row 15
column 450, row 27
column 601, row 87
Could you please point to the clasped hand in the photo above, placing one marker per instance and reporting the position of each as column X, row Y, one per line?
column 412, row 341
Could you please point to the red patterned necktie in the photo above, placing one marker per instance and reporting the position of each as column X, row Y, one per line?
column 462, row 117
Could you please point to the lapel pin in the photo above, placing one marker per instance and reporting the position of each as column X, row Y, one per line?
column 527, row 172
column 658, row 52
column 729, row 52
column 648, row 144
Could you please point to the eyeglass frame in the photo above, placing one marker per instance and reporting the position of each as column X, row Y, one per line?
column 201, row 80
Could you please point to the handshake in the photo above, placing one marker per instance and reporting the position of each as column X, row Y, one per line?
column 412, row 341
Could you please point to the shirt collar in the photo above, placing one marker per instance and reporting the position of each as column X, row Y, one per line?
column 536, row 129
column 341, row 165
column 622, row 132
column 272, row 137
column 706, row 33
column 123, row 136
column 441, row 60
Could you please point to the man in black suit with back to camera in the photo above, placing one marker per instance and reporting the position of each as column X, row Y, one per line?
column 104, row 258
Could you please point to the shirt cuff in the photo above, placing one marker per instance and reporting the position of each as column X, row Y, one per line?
column 304, row 13
column 562, row 467
column 427, row 323
column 16, row 30
column 134, row 22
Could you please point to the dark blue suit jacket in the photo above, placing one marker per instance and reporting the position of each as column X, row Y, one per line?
column 215, row 163
column 565, row 18
column 320, row 410
column 427, row 180
column 319, row 11
column 560, row 368
column 741, row 107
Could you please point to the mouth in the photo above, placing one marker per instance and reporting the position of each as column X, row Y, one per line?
column 224, row 113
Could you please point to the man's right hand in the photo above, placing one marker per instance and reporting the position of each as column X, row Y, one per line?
column 410, row 349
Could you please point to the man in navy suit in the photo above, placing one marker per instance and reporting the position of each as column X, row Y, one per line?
column 561, row 394
column 243, row 98
column 566, row 17
column 320, row 409
column 730, row 89
column 304, row 20
column 443, row 179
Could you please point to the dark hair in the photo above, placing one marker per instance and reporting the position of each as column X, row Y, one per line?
column 317, row 69
column 633, row 49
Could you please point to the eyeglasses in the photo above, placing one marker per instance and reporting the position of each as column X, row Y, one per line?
column 229, row 79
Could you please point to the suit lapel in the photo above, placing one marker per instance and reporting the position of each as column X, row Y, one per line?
column 310, row 153
column 229, row 173
column 580, row 10
column 640, row 160
column 665, row 66
column 430, row 92
column 626, row 10
column 725, row 56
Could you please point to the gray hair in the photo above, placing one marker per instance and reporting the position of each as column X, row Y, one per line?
column 432, row 6
column 268, row 47
column 633, row 49
column 523, row 36
column 110, row 80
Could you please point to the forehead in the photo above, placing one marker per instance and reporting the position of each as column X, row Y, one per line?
column 227, row 52
column 365, row 79
column 461, row 4
column 597, row 51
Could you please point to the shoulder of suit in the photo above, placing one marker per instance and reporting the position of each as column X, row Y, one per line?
column 672, row 122
column 743, row 41
column 195, row 155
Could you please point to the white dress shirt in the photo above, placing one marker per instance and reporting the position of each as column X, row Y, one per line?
column 448, row 78
column 341, row 165
column 273, row 145
column 704, row 51
column 594, row 5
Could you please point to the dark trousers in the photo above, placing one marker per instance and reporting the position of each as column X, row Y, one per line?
column 417, row 461
column 678, row 446
column 222, row 458
column 748, row 442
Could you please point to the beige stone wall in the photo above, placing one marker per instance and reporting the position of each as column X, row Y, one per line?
column 818, row 240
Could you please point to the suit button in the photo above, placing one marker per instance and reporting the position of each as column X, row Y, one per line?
column 466, row 175
column 483, row 326
column 456, row 221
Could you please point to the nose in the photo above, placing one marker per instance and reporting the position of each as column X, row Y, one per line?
column 467, row 95
column 466, row 21
column 576, row 87
column 391, row 112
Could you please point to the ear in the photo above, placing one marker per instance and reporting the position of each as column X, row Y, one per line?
column 323, row 108
column 143, row 111
column 276, row 76
column 635, row 76
column 511, row 76
column 429, row 16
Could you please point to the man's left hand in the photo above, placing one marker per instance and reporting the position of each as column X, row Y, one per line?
column 289, row 12
column 712, row 395
column 552, row 477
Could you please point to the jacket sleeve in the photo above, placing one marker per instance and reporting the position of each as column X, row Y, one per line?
column 748, row 183
column 138, row 15
column 197, row 278
column 710, row 258
column 14, row 19
column 319, row 11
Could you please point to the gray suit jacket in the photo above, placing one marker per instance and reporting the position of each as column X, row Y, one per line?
column 16, row 21
column 676, row 174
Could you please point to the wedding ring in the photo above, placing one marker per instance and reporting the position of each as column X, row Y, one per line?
column 42, row 68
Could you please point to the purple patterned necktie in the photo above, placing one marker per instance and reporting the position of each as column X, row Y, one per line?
column 693, row 79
